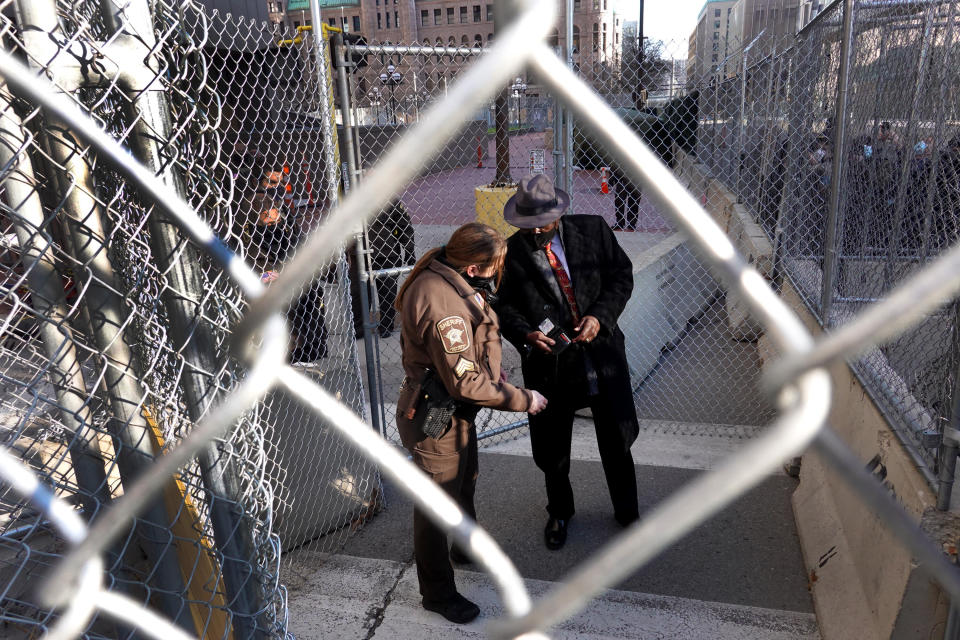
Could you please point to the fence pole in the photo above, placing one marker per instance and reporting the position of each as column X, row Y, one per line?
column 839, row 152
column 905, row 162
column 47, row 299
column 950, row 438
column 568, row 145
column 361, row 255
column 182, row 263
column 936, row 152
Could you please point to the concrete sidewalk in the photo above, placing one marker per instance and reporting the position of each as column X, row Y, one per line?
column 739, row 575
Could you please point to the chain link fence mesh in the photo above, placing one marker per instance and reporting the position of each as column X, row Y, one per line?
column 114, row 330
column 691, row 366
column 768, row 135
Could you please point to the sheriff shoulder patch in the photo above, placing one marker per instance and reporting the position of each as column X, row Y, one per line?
column 453, row 334
column 463, row 367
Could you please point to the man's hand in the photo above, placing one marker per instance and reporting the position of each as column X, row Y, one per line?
column 540, row 341
column 587, row 330
column 539, row 403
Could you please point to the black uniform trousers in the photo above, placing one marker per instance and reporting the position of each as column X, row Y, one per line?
column 551, row 432
column 626, row 200
column 451, row 461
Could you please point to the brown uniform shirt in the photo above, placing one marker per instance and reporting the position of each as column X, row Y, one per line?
column 448, row 327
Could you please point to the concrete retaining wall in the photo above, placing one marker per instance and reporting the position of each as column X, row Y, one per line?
column 864, row 583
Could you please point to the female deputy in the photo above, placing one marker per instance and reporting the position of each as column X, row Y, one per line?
column 449, row 327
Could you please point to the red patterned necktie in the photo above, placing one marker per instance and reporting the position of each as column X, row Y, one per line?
column 564, row 281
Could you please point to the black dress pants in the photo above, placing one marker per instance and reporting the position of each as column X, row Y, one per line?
column 551, row 432
column 451, row 461
column 626, row 201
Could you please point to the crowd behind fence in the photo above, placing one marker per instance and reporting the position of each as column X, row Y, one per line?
column 116, row 330
column 852, row 210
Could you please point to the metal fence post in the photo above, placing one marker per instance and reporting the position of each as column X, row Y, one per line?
column 839, row 152
column 361, row 256
column 900, row 200
column 181, row 263
column 47, row 299
column 568, row 142
column 950, row 437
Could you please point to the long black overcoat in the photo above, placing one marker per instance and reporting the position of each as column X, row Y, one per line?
column 602, row 277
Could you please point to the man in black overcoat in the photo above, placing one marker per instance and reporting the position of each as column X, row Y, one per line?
column 571, row 272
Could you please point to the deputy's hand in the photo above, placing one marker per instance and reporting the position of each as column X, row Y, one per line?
column 539, row 403
column 587, row 330
column 540, row 341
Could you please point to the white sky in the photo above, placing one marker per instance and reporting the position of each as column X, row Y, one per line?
column 669, row 20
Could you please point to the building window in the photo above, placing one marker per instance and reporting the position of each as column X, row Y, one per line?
column 463, row 16
column 388, row 19
column 332, row 21
column 596, row 5
column 716, row 13
column 489, row 39
column 716, row 35
column 296, row 23
column 604, row 5
column 576, row 5
column 477, row 41
column 716, row 46
column 379, row 21
column 716, row 24
column 396, row 20
column 489, row 13
column 576, row 39
column 345, row 26
column 464, row 41
column 450, row 19
column 596, row 35
column 604, row 36
column 436, row 16
column 713, row 58
column 476, row 13
column 424, row 17
column 356, row 24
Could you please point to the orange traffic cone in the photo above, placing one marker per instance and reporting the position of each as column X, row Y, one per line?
column 604, row 187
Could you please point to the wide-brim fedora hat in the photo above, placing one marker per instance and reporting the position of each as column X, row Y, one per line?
column 536, row 203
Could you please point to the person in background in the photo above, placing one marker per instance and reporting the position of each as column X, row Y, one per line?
column 568, row 275
column 391, row 245
column 449, row 328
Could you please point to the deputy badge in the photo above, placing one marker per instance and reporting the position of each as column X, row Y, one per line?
column 463, row 366
column 453, row 334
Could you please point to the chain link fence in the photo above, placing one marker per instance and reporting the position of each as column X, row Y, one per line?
column 857, row 197
column 114, row 330
column 691, row 365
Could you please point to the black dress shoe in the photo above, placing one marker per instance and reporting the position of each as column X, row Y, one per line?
column 458, row 556
column 626, row 521
column 555, row 533
column 456, row 608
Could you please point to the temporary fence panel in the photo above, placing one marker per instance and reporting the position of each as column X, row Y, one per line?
column 115, row 330
column 769, row 131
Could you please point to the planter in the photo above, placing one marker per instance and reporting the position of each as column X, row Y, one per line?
column 489, row 204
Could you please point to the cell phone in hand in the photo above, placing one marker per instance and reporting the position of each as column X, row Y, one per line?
column 555, row 333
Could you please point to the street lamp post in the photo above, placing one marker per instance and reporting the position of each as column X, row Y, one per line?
column 519, row 88
column 374, row 95
column 391, row 79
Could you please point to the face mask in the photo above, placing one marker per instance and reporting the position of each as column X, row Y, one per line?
column 540, row 240
column 488, row 284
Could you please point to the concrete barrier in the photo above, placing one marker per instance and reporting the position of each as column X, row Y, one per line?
column 865, row 585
